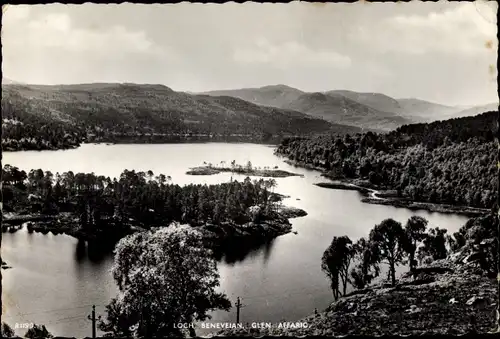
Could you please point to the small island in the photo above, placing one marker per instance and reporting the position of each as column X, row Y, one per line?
column 267, row 172
column 97, row 208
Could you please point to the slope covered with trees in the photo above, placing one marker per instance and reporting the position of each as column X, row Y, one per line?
column 108, row 112
column 107, row 208
column 451, row 162
column 24, row 127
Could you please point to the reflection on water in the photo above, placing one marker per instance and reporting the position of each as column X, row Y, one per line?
column 54, row 278
column 98, row 251
column 239, row 250
column 81, row 251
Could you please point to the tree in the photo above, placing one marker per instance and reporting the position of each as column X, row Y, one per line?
column 38, row 332
column 367, row 267
column 249, row 165
column 374, row 177
column 415, row 232
column 164, row 277
column 7, row 331
column 434, row 245
column 335, row 263
column 389, row 240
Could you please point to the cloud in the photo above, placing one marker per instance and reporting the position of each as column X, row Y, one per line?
column 438, row 51
column 289, row 54
column 463, row 29
column 55, row 30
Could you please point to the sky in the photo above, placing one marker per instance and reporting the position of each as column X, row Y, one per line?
column 438, row 51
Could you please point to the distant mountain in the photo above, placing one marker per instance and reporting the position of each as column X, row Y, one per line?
column 132, row 108
column 425, row 111
column 377, row 101
column 340, row 107
column 274, row 96
column 337, row 108
column 366, row 110
column 7, row 81
column 476, row 110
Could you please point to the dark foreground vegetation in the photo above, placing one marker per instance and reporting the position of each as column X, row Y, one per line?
column 450, row 286
column 37, row 117
column 89, row 206
column 168, row 275
column 447, row 162
column 166, row 272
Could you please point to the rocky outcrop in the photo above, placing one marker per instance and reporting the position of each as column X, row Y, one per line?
column 432, row 303
column 456, row 295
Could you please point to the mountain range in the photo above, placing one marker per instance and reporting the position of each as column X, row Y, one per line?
column 133, row 108
column 366, row 110
column 124, row 108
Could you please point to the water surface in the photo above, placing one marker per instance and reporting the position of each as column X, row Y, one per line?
column 54, row 282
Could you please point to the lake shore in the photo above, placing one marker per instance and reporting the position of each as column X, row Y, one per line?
column 452, row 296
column 260, row 270
column 375, row 195
column 268, row 173
column 148, row 139
column 388, row 198
column 216, row 234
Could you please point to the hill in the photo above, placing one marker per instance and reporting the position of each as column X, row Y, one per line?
column 455, row 295
column 7, row 81
column 100, row 111
column 450, row 162
column 425, row 111
column 481, row 127
column 377, row 101
column 274, row 95
column 366, row 110
column 338, row 108
column 477, row 110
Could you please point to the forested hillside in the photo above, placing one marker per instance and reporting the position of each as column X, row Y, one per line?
column 452, row 161
column 27, row 127
column 101, row 111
